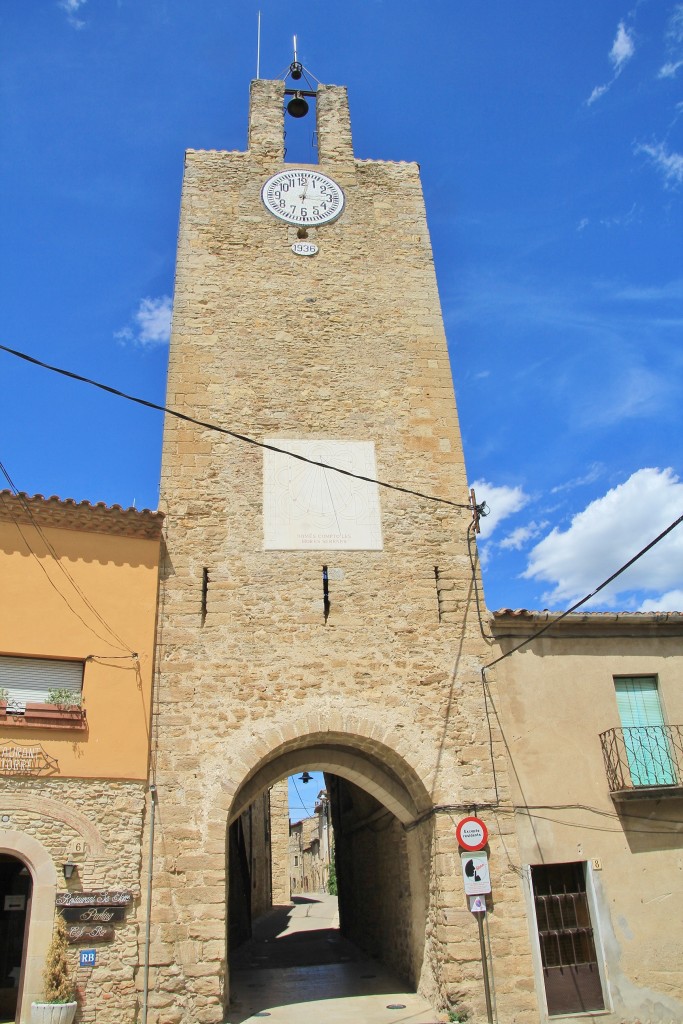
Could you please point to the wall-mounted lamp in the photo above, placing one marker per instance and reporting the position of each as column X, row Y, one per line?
column 306, row 777
column 68, row 868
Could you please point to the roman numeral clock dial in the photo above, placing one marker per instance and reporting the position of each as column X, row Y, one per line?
column 301, row 197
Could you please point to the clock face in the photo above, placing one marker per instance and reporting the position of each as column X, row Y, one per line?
column 303, row 197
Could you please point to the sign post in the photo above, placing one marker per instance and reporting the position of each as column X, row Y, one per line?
column 473, row 835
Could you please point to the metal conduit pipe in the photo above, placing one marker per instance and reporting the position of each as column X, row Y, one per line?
column 148, row 922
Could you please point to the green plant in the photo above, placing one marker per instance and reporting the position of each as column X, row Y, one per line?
column 60, row 985
column 457, row 1016
column 64, row 698
column 332, row 887
column 4, row 694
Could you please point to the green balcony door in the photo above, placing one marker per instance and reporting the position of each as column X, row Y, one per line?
column 645, row 738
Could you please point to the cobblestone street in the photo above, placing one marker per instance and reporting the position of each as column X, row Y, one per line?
column 298, row 969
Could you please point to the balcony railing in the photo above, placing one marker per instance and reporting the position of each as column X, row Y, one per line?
column 643, row 757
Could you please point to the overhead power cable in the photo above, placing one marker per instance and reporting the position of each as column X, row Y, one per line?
column 601, row 586
column 230, row 433
column 62, row 568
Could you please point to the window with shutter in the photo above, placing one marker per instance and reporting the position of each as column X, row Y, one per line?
column 29, row 680
column 645, row 738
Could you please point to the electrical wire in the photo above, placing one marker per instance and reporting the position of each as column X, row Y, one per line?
column 301, row 799
column 244, row 438
column 599, row 828
column 601, row 586
column 60, row 565
column 54, row 556
column 599, row 811
column 470, row 538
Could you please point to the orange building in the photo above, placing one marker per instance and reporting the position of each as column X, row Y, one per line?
column 77, row 623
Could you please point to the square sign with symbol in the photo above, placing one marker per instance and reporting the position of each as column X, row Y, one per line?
column 475, row 873
column 88, row 957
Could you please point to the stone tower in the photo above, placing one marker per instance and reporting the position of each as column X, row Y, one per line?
column 310, row 619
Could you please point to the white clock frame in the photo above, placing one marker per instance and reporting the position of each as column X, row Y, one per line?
column 317, row 198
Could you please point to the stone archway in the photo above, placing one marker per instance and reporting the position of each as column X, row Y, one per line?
column 40, row 926
column 394, row 867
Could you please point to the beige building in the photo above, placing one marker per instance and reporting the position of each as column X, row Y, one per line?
column 77, row 616
column 591, row 713
column 309, row 851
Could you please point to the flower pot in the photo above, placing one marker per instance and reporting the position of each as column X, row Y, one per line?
column 46, row 716
column 53, row 1013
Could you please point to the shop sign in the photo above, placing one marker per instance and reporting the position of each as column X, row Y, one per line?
column 107, row 898
column 472, row 833
column 17, row 760
column 475, row 873
column 88, row 957
column 93, row 915
column 85, row 933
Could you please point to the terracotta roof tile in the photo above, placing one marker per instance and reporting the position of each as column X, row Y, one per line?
column 69, row 514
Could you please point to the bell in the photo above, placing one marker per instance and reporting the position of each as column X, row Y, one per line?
column 297, row 106
column 296, row 70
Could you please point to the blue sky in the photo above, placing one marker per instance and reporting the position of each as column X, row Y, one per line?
column 303, row 796
column 550, row 141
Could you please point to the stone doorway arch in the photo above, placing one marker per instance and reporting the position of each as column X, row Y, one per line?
column 40, row 924
column 374, row 780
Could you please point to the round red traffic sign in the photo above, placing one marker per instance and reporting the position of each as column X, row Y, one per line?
column 472, row 834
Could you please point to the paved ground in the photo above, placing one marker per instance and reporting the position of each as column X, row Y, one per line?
column 297, row 969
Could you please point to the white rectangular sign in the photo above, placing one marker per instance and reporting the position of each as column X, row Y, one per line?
column 475, row 873
column 307, row 506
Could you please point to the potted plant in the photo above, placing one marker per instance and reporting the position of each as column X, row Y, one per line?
column 64, row 698
column 59, row 1005
column 61, row 710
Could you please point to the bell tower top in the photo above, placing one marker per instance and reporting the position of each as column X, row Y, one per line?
column 266, row 123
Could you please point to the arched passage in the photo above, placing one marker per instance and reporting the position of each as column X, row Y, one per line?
column 382, row 864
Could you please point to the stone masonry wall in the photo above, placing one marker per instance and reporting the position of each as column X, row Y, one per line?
column 376, row 904
column 348, row 345
column 52, row 811
column 279, row 842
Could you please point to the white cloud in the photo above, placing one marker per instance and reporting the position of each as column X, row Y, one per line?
column 593, row 474
column 598, row 91
column 672, row 601
column 516, row 540
column 622, row 50
column 502, row 502
column 669, row 69
column 623, row 47
column 675, row 29
column 608, row 532
column 72, row 7
column 633, row 392
column 670, row 164
column 151, row 323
